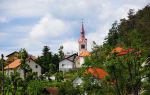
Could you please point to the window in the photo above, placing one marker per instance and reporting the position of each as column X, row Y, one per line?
column 36, row 66
column 82, row 46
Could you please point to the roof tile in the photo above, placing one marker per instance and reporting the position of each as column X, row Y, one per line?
column 14, row 64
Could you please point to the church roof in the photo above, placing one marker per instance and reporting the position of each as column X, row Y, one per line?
column 82, row 28
column 84, row 53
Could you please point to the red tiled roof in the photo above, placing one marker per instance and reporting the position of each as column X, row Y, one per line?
column 52, row 90
column 97, row 72
column 14, row 64
column 117, row 50
column 125, row 52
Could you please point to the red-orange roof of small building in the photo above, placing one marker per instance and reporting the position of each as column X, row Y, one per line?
column 125, row 52
column 85, row 53
column 117, row 50
column 97, row 72
column 14, row 64
column 52, row 90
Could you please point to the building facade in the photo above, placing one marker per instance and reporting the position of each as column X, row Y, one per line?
column 68, row 63
column 16, row 66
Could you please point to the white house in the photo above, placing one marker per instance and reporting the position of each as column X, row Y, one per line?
column 67, row 63
column 15, row 65
column 77, row 82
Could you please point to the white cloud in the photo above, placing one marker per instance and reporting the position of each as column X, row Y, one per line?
column 3, row 19
column 25, row 8
column 60, row 18
column 48, row 26
column 70, row 46
column 47, row 31
column 98, row 36
column 2, row 35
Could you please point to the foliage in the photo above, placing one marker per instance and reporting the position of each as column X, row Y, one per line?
column 16, row 81
column 35, row 87
column 132, row 31
column 47, row 60
column 61, row 53
column 59, row 76
column 124, row 70
column 70, row 89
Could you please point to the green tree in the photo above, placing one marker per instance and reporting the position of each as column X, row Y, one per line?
column 16, row 81
column 59, row 76
column 61, row 53
column 112, row 35
column 45, row 59
column 55, row 61
column 23, row 55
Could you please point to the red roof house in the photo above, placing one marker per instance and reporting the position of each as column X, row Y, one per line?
column 97, row 72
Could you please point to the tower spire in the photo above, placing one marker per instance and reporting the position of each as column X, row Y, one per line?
column 82, row 40
column 82, row 30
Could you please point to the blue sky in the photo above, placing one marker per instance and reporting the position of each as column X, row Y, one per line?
column 31, row 24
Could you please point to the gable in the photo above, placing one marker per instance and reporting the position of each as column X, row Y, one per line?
column 32, row 64
column 71, row 57
column 66, row 61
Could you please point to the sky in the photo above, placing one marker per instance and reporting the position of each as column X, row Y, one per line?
column 32, row 24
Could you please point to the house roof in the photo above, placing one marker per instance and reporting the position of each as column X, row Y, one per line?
column 117, row 50
column 84, row 53
column 97, row 72
column 120, row 51
column 52, row 90
column 125, row 52
column 17, row 63
column 69, row 57
column 12, row 53
column 14, row 64
column 31, row 57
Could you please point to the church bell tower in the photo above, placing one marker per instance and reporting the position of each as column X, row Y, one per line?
column 82, row 40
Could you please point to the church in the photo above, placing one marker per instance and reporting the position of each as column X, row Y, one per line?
column 76, row 60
